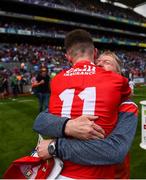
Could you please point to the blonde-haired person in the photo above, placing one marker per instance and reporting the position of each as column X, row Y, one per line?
column 110, row 62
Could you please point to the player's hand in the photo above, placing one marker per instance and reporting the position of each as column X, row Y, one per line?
column 84, row 128
column 42, row 149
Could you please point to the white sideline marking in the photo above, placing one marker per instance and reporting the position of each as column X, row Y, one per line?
column 12, row 100
column 25, row 100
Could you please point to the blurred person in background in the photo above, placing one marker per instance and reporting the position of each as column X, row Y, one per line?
column 1, row 86
column 42, row 88
column 6, row 85
column 33, row 82
column 131, row 84
column 20, row 87
column 14, row 85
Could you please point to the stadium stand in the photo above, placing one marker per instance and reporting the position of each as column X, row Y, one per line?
column 34, row 34
column 93, row 6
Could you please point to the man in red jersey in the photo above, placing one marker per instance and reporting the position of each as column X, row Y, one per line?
column 88, row 90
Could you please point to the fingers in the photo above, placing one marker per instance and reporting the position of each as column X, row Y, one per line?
column 92, row 132
column 84, row 127
column 93, row 135
column 86, row 118
column 90, row 117
column 97, row 135
column 98, row 128
column 96, row 132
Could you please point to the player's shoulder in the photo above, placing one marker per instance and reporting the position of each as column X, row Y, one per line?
column 120, row 78
column 128, row 102
column 118, row 75
column 128, row 106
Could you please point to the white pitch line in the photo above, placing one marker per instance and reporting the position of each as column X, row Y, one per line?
column 25, row 100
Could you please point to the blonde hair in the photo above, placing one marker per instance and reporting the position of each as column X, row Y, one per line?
column 115, row 57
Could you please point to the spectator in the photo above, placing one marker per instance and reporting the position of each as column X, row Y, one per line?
column 1, row 87
column 14, row 85
column 131, row 84
column 42, row 86
column 6, row 86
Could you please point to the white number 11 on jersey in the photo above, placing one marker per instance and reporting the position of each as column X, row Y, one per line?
column 88, row 95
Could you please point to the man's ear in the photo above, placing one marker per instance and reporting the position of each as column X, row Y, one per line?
column 96, row 54
column 68, row 57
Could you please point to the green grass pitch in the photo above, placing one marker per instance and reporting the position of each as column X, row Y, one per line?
column 17, row 138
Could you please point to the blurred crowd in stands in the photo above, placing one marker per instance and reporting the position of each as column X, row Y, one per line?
column 134, row 63
column 95, row 6
column 19, row 62
column 42, row 30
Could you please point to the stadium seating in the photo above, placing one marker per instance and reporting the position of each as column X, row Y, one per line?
column 93, row 6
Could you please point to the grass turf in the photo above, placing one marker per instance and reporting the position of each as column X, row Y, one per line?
column 138, row 155
column 18, row 139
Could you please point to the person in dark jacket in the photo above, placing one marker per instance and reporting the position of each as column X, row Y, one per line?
column 42, row 86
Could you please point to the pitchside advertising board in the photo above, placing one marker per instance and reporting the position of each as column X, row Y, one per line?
column 143, row 125
column 138, row 80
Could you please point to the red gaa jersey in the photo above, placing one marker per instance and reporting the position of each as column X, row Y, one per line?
column 86, row 89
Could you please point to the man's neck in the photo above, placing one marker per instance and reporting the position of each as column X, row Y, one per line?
column 82, row 59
